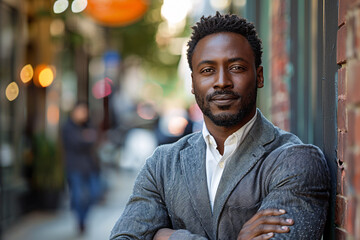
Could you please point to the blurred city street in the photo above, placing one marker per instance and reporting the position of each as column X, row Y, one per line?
column 128, row 65
column 61, row 225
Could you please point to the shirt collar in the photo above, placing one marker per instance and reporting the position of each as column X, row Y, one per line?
column 239, row 135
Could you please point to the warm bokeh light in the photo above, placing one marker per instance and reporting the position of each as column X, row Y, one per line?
column 27, row 73
column 146, row 110
column 57, row 27
column 175, row 11
column 12, row 91
column 102, row 88
column 177, row 125
column 115, row 12
column 60, row 6
column 46, row 77
column 78, row 6
column 53, row 114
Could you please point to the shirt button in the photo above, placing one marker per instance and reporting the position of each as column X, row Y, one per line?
column 221, row 164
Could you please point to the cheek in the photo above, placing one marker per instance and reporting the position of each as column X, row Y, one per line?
column 200, row 87
column 246, row 84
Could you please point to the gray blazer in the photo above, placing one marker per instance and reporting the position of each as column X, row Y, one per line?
column 270, row 169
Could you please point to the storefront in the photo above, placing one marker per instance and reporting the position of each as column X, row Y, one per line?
column 12, row 112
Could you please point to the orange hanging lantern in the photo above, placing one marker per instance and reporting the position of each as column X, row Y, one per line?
column 116, row 12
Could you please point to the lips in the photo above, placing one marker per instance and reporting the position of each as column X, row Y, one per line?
column 224, row 99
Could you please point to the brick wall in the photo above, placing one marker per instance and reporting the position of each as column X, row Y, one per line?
column 279, row 61
column 347, row 215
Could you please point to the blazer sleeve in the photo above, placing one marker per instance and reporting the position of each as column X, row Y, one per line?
column 299, row 182
column 145, row 211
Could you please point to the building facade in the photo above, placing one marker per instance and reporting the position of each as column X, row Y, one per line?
column 313, row 52
column 347, row 218
column 311, row 65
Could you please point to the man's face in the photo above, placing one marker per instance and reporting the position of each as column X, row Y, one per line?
column 225, row 79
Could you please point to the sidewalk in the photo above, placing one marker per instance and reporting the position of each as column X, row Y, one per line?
column 61, row 225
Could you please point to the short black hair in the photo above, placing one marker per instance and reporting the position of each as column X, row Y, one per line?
column 225, row 23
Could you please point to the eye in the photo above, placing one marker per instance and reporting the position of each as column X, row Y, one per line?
column 207, row 70
column 237, row 68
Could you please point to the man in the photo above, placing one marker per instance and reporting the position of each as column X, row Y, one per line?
column 241, row 177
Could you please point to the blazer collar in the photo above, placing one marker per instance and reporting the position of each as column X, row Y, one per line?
column 193, row 165
column 245, row 157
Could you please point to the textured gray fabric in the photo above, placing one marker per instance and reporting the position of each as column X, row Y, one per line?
column 271, row 169
column 185, row 234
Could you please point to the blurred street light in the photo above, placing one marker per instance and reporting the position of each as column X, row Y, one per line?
column 44, row 75
column 26, row 73
column 60, row 6
column 78, row 6
column 116, row 12
column 12, row 91
column 175, row 11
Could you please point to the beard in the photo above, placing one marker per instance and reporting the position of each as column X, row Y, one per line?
column 247, row 104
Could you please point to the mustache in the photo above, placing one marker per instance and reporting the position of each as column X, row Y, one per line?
column 222, row 92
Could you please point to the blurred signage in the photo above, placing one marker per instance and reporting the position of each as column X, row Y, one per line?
column 116, row 12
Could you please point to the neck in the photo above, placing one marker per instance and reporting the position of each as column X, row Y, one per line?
column 221, row 133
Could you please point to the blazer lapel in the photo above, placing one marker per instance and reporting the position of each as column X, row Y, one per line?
column 193, row 165
column 245, row 157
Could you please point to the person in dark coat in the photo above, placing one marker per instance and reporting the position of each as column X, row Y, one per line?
column 81, row 169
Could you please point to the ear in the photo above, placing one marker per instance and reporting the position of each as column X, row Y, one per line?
column 192, row 84
column 260, row 77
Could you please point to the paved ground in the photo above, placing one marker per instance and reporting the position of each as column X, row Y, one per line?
column 61, row 225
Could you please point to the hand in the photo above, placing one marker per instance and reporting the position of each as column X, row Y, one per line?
column 264, row 224
column 163, row 234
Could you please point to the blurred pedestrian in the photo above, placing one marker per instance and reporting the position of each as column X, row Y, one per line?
column 82, row 171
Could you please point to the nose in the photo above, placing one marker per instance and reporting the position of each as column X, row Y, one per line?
column 223, row 80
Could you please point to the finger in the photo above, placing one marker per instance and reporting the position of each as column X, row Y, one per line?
column 266, row 212
column 267, row 229
column 271, row 211
column 273, row 220
column 264, row 236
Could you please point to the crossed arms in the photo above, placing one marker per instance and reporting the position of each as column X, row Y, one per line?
column 294, row 208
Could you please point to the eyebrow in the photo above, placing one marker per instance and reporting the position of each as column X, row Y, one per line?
column 231, row 60
column 205, row 62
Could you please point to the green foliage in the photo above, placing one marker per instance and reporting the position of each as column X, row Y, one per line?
column 48, row 168
column 139, row 39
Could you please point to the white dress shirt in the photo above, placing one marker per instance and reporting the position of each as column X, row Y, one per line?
column 215, row 162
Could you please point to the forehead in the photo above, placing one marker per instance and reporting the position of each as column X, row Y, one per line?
column 223, row 45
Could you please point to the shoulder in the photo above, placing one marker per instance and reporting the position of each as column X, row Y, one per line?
column 170, row 152
column 165, row 162
column 269, row 135
column 192, row 139
column 304, row 162
column 300, row 153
